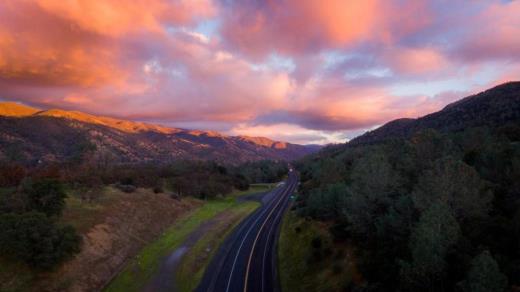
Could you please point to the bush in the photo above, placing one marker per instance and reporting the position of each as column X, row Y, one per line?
column 126, row 188
column 337, row 269
column 316, row 242
column 13, row 201
column 36, row 240
column 46, row 196
column 127, row 181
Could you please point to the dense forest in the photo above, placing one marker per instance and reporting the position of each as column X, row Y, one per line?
column 32, row 198
column 433, row 212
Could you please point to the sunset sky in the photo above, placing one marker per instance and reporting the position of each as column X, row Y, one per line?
column 305, row 71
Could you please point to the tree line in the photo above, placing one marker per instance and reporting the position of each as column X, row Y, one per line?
column 32, row 198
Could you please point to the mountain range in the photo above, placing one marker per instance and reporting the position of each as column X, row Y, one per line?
column 492, row 108
column 33, row 135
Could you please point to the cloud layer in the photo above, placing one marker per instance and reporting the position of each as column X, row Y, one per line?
column 296, row 70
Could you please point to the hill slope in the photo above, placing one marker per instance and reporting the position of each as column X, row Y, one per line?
column 32, row 135
column 12, row 109
column 496, row 106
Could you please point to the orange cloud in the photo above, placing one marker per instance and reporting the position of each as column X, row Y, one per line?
column 82, row 43
column 115, row 17
column 40, row 49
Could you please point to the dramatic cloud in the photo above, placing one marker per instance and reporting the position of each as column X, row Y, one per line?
column 114, row 17
column 293, row 27
column 295, row 70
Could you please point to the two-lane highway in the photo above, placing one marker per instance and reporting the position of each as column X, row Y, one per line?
column 246, row 261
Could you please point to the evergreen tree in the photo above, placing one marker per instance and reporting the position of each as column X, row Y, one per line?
column 436, row 232
column 484, row 275
column 455, row 184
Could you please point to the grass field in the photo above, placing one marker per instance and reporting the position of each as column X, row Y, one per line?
column 305, row 267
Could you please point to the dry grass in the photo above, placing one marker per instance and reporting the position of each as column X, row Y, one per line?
column 114, row 228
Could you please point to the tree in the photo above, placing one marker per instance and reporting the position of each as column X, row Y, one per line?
column 436, row 232
column 328, row 203
column 331, row 171
column 47, row 196
column 13, row 201
column 240, row 182
column 373, row 182
column 373, row 176
column 456, row 184
column 430, row 146
column 484, row 275
column 35, row 239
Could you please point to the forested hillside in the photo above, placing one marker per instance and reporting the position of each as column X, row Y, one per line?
column 492, row 108
column 433, row 210
column 30, row 136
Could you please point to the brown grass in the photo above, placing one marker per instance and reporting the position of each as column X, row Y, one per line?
column 114, row 228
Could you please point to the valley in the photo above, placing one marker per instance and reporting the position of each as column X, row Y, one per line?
column 259, row 146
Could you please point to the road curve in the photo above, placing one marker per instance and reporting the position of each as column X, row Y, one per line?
column 246, row 261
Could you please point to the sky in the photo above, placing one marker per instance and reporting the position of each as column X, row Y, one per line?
column 303, row 71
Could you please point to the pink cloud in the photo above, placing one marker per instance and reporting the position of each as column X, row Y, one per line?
column 294, row 27
column 416, row 60
column 115, row 17
column 496, row 35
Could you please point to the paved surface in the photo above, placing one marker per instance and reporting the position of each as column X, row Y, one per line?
column 246, row 261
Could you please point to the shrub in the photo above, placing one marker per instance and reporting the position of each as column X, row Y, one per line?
column 127, row 181
column 315, row 257
column 36, row 240
column 337, row 269
column 46, row 196
column 126, row 188
column 316, row 242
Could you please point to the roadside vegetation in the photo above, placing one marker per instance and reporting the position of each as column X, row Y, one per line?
column 140, row 269
column 28, row 223
column 113, row 227
column 48, row 210
column 310, row 260
column 226, row 213
column 436, row 212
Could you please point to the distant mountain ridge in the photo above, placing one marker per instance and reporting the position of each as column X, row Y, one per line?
column 494, row 107
column 32, row 134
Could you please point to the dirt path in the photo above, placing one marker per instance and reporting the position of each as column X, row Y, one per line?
column 165, row 278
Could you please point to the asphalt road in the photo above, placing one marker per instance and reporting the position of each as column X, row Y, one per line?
column 246, row 261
